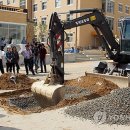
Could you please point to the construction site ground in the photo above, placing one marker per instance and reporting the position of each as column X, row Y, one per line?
column 54, row 119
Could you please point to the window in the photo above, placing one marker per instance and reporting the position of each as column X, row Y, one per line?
column 14, row 31
column 104, row 6
column 22, row 3
column 8, row 2
column 120, row 7
column 119, row 23
column 44, row 20
column 59, row 16
column 35, row 38
column 35, row 7
column 69, row 17
column 44, row 39
column 127, row 9
column 110, row 6
column 111, row 22
column 35, row 21
column 69, row 2
column 69, row 37
column 127, row 29
column 125, row 46
column 13, row 1
column 44, row 5
column 1, row 2
column 57, row 3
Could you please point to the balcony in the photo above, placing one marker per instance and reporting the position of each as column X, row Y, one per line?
column 10, row 8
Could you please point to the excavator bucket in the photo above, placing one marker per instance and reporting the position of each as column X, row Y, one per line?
column 47, row 94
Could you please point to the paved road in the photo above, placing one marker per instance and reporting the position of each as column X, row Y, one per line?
column 72, row 70
column 55, row 119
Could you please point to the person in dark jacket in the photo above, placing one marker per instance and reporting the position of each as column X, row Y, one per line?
column 15, row 60
column 43, row 53
column 9, row 58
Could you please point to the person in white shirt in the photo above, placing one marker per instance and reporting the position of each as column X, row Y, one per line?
column 27, row 54
column 1, row 63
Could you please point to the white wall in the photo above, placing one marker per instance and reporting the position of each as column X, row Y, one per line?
column 69, row 57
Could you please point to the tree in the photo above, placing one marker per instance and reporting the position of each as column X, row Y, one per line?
column 40, row 29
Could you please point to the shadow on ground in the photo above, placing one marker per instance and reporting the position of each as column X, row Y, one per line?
column 7, row 128
column 38, row 74
column 1, row 115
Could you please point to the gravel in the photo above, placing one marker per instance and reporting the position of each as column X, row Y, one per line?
column 23, row 102
column 29, row 101
column 113, row 108
column 76, row 93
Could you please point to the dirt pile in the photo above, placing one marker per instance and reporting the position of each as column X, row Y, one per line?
column 22, row 82
column 95, row 84
column 76, row 90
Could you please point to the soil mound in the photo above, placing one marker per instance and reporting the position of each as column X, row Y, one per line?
column 95, row 84
column 22, row 82
column 23, row 102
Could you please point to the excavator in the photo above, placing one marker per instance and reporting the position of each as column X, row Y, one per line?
column 52, row 89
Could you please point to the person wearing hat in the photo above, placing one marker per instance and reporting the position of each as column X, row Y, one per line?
column 27, row 54
column 9, row 59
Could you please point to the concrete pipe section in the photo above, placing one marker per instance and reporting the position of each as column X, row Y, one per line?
column 47, row 95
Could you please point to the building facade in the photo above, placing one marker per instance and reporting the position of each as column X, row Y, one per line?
column 13, row 23
column 84, row 36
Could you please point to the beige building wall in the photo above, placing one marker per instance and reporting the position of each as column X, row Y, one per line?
column 17, row 17
column 82, row 36
column 13, row 23
column 117, row 14
column 13, row 17
column 50, row 9
column 15, row 3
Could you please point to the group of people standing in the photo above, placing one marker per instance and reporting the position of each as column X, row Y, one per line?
column 33, row 55
column 12, row 59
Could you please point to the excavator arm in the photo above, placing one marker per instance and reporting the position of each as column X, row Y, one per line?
column 97, row 19
column 56, row 44
column 93, row 17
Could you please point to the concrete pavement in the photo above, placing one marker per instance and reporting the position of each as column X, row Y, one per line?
column 54, row 119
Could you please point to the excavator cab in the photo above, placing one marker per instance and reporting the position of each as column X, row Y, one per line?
column 125, row 36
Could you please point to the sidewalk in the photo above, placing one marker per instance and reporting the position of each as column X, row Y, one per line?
column 72, row 70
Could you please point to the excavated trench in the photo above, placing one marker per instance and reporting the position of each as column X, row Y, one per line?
column 22, row 101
